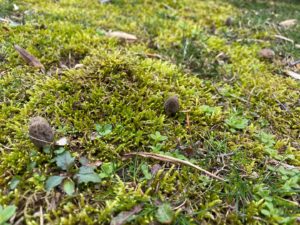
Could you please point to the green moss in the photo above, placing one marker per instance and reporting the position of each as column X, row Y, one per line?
column 239, row 115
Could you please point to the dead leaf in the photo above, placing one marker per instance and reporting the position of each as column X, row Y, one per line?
column 30, row 59
column 288, row 23
column 85, row 162
column 62, row 141
column 9, row 22
column 16, row 8
column 292, row 74
column 155, row 168
column 297, row 46
column 95, row 164
column 121, row 35
column 123, row 217
column 94, row 136
column 171, row 159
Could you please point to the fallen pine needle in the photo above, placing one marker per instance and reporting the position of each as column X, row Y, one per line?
column 173, row 160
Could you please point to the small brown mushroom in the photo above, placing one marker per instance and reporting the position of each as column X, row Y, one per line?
column 40, row 132
column 229, row 21
column 267, row 53
column 172, row 106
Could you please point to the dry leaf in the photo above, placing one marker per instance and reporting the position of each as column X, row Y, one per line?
column 30, row 59
column 9, row 22
column 292, row 74
column 288, row 23
column 155, row 168
column 94, row 136
column 121, row 35
column 297, row 46
column 62, row 142
column 16, row 8
column 122, row 217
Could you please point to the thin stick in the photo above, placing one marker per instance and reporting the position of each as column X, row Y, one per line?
column 188, row 125
column 295, row 63
column 40, row 140
column 171, row 159
column 283, row 38
column 8, row 148
column 41, row 216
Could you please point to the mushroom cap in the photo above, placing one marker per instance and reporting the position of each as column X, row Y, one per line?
column 40, row 132
column 229, row 21
column 172, row 105
column 267, row 53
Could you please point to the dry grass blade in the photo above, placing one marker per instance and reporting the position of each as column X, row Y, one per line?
column 173, row 160
column 285, row 165
column 121, row 35
column 283, row 38
column 30, row 59
column 293, row 74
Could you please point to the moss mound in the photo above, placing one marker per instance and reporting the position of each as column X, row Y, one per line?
column 239, row 115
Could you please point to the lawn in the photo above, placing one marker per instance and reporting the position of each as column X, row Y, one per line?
column 229, row 155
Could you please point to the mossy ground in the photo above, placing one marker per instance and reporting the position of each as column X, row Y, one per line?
column 243, row 112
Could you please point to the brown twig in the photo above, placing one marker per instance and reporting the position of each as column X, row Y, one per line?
column 294, row 63
column 182, row 204
column 40, row 140
column 173, row 160
column 285, row 165
column 188, row 124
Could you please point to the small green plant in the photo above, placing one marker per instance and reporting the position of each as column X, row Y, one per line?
column 159, row 144
column 208, row 110
column 236, row 122
column 103, row 130
column 87, row 174
column 158, row 141
column 146, row 172
column 273, row 199
column 107, row 170
column 157, row 147
column 14, row 182
column 165, row 214
column 157, row 137
column 65, row 162
column 6, row 213
column 266, row 139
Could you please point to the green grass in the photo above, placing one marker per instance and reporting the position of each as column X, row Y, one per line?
column 243, row 111
column 259, row 15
